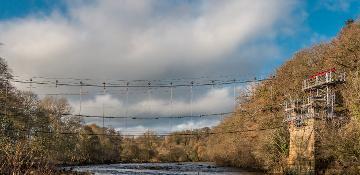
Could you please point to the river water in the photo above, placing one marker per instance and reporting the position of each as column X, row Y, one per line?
column 160, row 169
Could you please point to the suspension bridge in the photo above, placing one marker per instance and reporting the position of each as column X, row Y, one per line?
column 60, row 87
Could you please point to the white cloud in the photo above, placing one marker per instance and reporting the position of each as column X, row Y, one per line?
column 195, row 124
column 138, row 39
column 214, row 101
column 336, row 5
column 164, row 127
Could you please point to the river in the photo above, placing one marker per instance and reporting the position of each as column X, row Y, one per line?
column 160, row 169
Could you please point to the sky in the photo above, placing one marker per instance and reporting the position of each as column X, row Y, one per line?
column 201, row 40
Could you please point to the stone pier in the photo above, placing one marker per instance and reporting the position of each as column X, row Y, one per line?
column 302, row 147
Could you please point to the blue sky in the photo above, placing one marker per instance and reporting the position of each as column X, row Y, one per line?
column 160, row 39
column 324, row 19
column 22, row 8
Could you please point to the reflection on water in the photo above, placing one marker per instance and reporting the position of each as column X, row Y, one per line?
column 160, row 169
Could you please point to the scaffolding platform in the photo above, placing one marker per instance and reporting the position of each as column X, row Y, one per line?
column 321, row 79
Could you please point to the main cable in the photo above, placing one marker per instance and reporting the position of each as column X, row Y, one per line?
column 145, row 118
column 140, row 86
column 159, row 135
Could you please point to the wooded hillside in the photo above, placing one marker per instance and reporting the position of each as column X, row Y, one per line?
column 338, row 150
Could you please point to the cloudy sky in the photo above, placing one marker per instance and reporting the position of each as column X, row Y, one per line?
column 99, row 41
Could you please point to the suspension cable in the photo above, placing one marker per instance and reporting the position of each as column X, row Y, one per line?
column 149, row 97
column 171, row 104
column 127, row 105
column 103, row 107
column 30, row 84
column 80, row 100
column 191, row 101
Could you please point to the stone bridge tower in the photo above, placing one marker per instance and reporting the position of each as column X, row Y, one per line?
column 302, row 116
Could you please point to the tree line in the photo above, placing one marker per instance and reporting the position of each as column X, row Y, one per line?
column 36, row 137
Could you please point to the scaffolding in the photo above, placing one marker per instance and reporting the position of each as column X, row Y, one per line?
column 320, row 101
